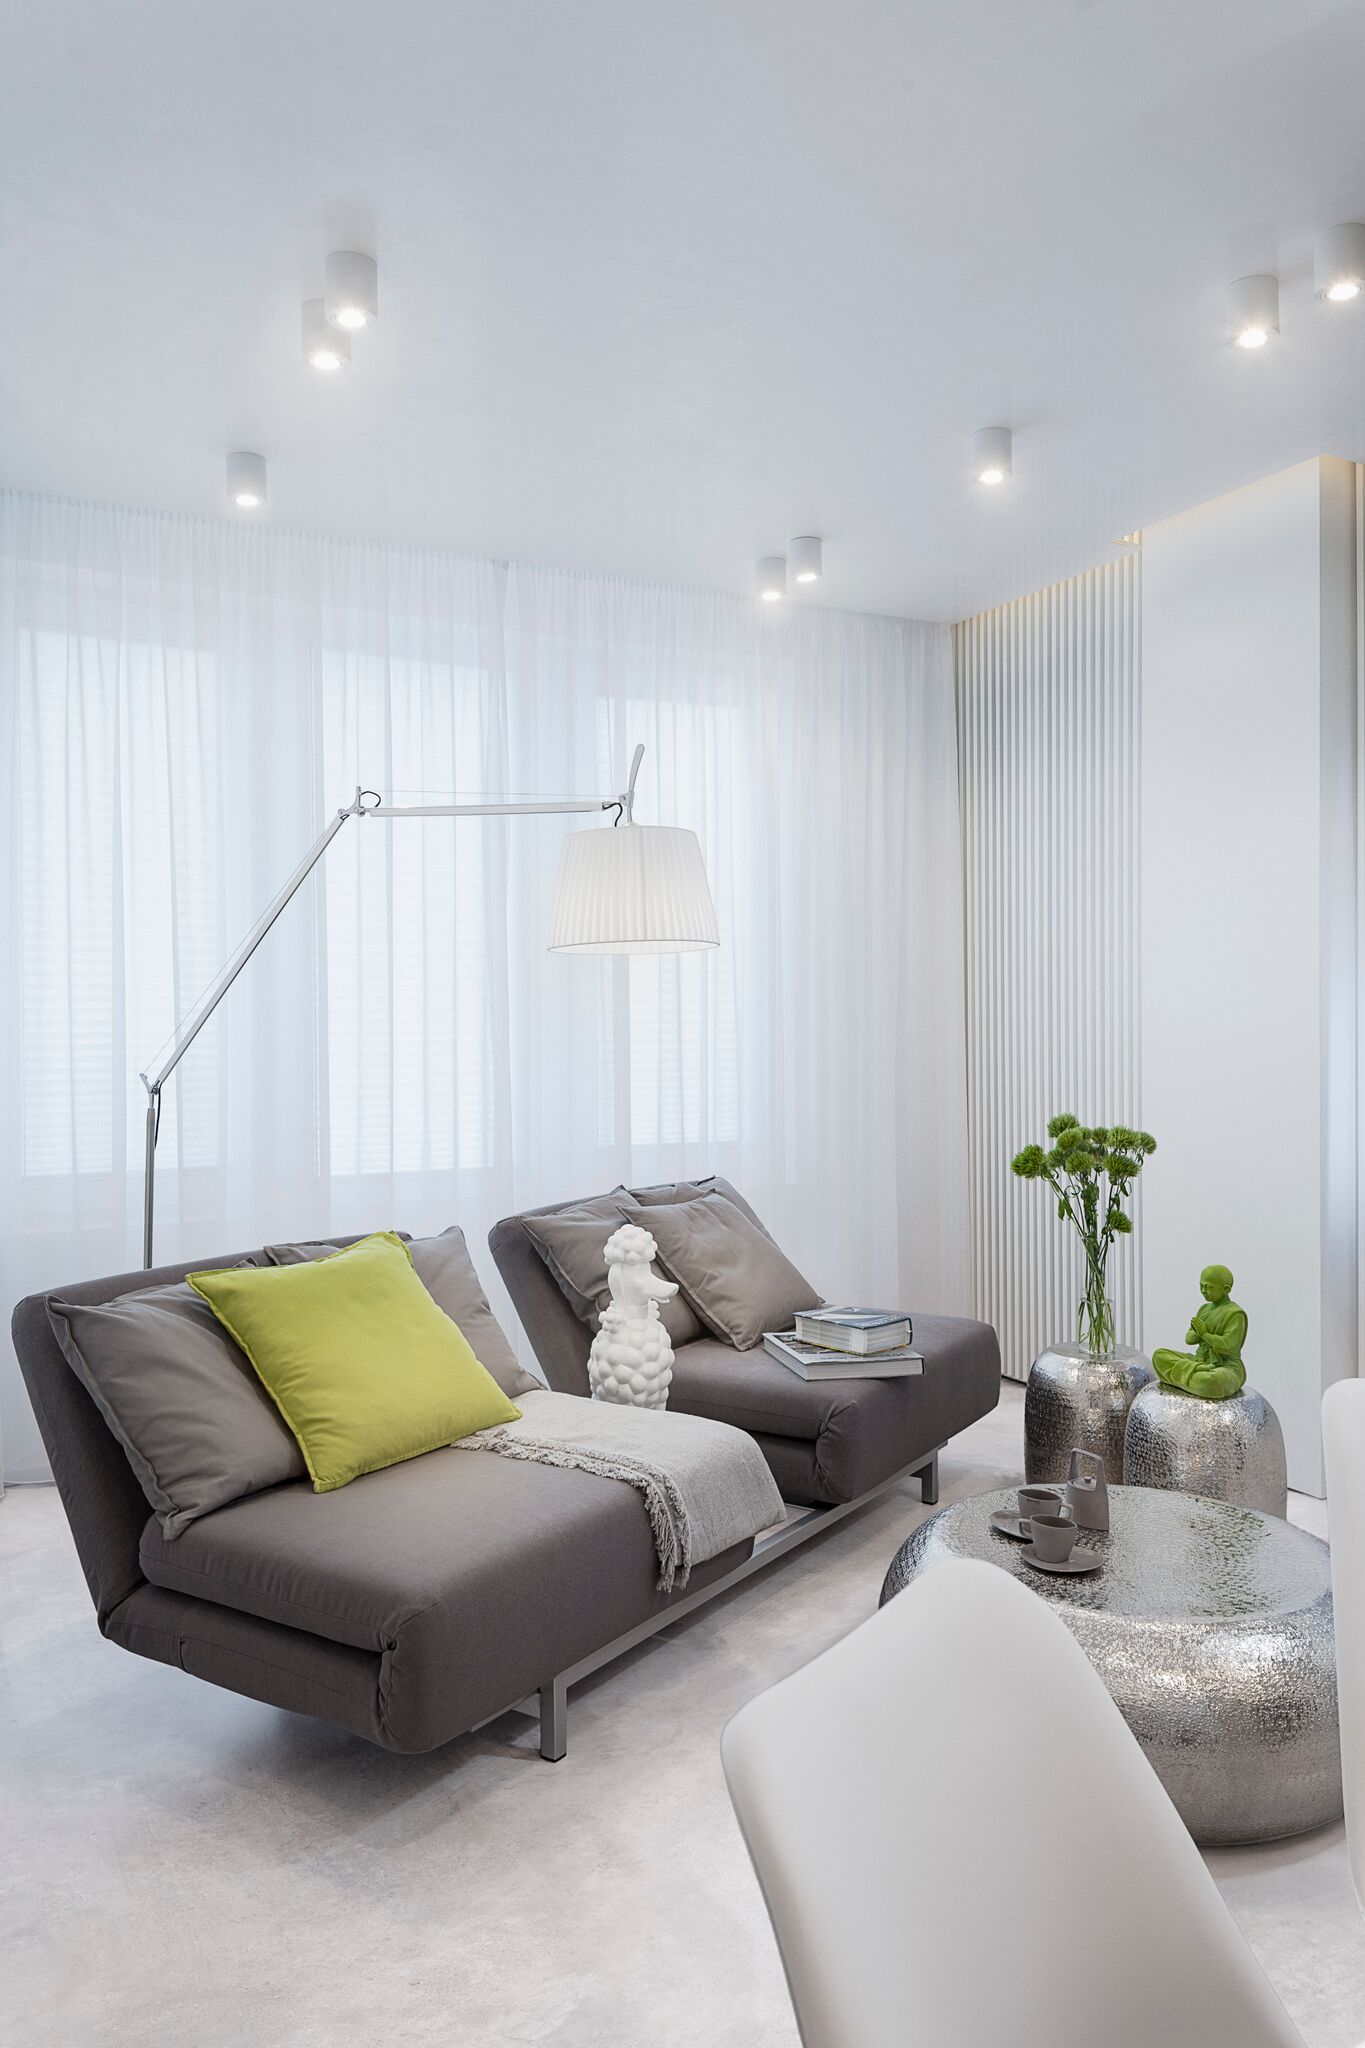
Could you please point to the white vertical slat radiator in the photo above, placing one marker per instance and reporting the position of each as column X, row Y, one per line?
column 1048, row 708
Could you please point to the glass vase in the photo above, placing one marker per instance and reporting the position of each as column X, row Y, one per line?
column 1078, row 1399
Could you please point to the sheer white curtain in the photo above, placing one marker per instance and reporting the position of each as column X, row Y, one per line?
column 182, row 703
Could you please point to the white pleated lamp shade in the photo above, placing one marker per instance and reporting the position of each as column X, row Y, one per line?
column 632, row 889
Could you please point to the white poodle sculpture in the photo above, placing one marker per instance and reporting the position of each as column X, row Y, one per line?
column 631, row 1359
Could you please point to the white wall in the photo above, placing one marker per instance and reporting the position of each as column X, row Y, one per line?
column 1248, row 927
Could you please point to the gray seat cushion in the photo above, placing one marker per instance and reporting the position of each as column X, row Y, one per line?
column 475, row 1579
column 843, row 1436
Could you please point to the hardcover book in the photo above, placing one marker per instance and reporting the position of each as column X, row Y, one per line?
column 860, row 1330
column 819, row 1362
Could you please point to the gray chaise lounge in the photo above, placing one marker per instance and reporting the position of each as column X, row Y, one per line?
column 418, row 1602
column 407, row 1607
column 829, row 1446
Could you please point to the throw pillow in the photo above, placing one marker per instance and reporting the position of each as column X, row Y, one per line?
column 364, row 1367
column 197, row 1426
column 572, row 1241
column 735, row 1277
column 672, row 1192
column 445, row 1269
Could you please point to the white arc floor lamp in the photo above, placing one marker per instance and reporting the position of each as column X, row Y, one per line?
column 632, row 889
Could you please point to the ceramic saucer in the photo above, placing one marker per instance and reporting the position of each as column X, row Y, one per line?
column 1011, row 1525
column 1079, row 1561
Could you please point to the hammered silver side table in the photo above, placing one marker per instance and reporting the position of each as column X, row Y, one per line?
column 1075, row 1400
column 1211, row 1626
column 1228, row 1450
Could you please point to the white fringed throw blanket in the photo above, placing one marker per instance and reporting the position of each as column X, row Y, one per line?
column 705, row 1485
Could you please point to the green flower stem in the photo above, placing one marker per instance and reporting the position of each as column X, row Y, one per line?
column 1079, row 1159
column 1095, row 1311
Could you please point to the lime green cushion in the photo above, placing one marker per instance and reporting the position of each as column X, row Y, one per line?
column 364, row 1367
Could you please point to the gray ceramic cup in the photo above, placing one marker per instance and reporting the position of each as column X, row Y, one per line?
column 1054, row 1537
column 1038, row 1500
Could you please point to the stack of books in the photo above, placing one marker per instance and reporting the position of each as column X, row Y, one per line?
column 847, row 1344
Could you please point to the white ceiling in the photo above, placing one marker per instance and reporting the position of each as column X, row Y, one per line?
column 664, row 284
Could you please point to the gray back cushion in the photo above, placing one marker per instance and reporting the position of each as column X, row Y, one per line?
column 198, row 1427
column 572, row 1243
column 673, row 1191
column 735, row 1277
column 445, row 1269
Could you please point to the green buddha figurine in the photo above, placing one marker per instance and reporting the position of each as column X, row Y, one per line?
column 1215, row 1370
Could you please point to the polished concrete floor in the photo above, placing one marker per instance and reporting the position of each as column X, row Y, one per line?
column 184, row 1869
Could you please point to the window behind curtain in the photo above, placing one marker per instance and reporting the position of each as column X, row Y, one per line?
column 119, row 843
column 408, row 910
column 411, row 931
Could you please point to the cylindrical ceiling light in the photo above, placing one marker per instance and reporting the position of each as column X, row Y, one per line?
column 1254, row 310
column 246, row 479
column 1339, row 262
column 632, row 889
column 325, row 347
column 992, row 455
column 770, row 576
column 805, row 554
column 352, row 287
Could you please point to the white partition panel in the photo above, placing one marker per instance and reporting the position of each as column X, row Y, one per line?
column 1249, row 882
column 1048, row 748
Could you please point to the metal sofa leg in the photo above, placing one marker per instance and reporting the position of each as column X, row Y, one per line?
column 928, row 1482
column 554, row 1719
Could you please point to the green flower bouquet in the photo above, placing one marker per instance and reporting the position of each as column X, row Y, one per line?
column 1091, row 1172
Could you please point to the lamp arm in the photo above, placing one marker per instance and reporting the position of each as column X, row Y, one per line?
column 189, row 1028
column 363, row 805
column 628, row 801
column 541, row 807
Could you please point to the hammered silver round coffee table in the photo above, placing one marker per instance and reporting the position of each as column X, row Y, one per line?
column 1211, row 1626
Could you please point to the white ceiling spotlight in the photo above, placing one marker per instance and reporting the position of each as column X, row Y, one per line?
column 770, row 575
column 1339, row 262
column 806, row 555
column 325, row 348
column 1254, row 310
column 992, row 455
column 246, row 479
column 351, row 282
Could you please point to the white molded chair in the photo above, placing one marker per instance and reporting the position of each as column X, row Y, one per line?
column 1343, row 1441
column 961, row 1844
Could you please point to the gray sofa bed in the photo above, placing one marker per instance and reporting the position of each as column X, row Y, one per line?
column 407, row 1607
column 829, row 1445
column 420, row 1601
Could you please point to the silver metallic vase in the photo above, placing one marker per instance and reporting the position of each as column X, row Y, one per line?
column 1075, row 1400
column 1227, row 1450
